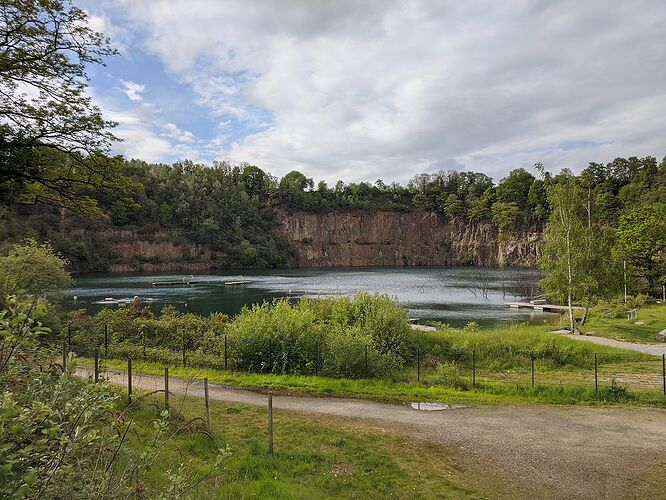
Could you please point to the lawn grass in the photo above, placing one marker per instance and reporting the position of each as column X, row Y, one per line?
column 314, row 457
column 653, row 316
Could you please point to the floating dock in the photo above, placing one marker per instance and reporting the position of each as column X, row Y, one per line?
column 176, row 283
column 539, row 306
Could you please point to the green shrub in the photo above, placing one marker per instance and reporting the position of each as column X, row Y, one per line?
column 449, row 374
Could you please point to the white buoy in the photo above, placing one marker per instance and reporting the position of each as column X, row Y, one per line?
column 75, row 298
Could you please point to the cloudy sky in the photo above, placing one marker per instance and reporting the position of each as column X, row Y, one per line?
column 361, row 90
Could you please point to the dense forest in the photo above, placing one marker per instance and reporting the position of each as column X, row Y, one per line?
column 232, row 208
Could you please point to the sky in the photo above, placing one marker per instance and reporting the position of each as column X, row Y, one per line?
column 363, row 90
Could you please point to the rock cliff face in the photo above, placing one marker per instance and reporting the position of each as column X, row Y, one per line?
column 404, row 239
column 342, row 239
column 161, row 251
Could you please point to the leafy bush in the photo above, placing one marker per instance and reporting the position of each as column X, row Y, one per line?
column 449, row 375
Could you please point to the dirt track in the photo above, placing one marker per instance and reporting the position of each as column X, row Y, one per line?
column 654, row 349
column 549, row 451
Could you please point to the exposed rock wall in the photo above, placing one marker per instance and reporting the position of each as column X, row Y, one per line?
column 403, row 239
column 160, row 251
column 341, row 239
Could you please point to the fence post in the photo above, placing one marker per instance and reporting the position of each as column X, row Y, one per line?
column 225, row 351
column 317, row 358
column 366, row 360
column 143, row 341
column 209, row 426
column 663, row 371
column 270, row 422
column 418, row 364
column 129, row 380
column 64, row 357
column 473, row 367
column 270, row 355
column 106, row 340
column 532, row 363
column 96, row 365
column 166, row 387
column 596, row 377
column 183, row 339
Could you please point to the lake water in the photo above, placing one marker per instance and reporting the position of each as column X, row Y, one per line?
column 455, row 295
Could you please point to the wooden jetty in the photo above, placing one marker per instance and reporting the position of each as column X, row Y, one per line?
column 539, row 306
column 237, row 282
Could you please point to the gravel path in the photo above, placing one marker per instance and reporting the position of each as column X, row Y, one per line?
column 549, row 451
column 654, row 349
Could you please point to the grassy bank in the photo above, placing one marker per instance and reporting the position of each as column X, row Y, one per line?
column 313, row 458
column 650, row 321
column 514, row 364
column 487, row 391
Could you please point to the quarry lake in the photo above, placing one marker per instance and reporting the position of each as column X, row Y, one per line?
column 454, row 295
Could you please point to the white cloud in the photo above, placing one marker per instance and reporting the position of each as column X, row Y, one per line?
column 361, row 90
column 172, row 130
column 133, row 90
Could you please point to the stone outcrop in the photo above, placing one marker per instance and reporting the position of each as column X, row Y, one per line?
column 404, row 239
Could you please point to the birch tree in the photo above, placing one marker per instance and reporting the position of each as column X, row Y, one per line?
column 576, row 260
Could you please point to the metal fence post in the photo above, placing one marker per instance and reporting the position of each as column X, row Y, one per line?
column 473, row 367
column 270, row 422
column 209, row 424
column 366, row 360
column 96, row 365
column 183, row 339
column 663, row 371
column 596, row 374
column 166, row 387
column 129, row 380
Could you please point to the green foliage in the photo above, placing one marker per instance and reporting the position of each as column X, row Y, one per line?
column 505, row 215
column 63, row 438
column 32, row 268
column 52, row 136
column 449, row 374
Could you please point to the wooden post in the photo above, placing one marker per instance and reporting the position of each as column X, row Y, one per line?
column 366, row 360
column 270, row 422
column 166, row 387
column 64, row 357
column 209, row 425
column 106, row 340
column 96, row 365
column 129, row 380
column 418, row 364
column 532, row 362
column 473, row 367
